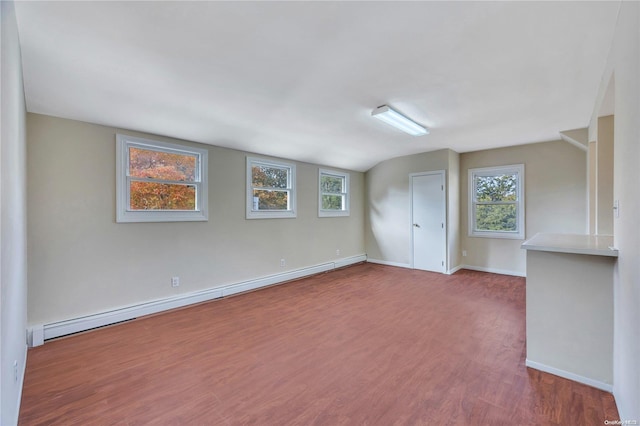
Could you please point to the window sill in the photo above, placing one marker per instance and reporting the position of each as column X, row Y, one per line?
column 163, row 216
column 329, row 213
column 498, row 235
column 271, row 215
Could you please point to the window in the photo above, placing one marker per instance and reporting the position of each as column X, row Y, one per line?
column 270, row 189
column 333, row 194
column 496, row 202
column 160, row 182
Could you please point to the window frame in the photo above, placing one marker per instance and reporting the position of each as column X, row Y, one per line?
column 517, row 169
column 124, row 214
column 291, row 212
column 345, row 211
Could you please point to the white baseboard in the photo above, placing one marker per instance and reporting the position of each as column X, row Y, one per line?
column 625, row 410
column 23, row 368
column 274, row 279
column 75, row 325
column 454, row 270
column 385, row 262
column 571, row 376
column 493, row 270
column 35, row 335
column 347, row 261
column 291, row 275
column 21, row 373
column 39, row 333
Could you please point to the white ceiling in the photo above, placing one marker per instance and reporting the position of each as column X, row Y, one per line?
column 299, row 79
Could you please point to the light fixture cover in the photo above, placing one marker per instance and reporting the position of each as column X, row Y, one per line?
column 399, row 121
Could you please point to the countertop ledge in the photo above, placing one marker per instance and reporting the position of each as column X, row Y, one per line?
column 597, row 245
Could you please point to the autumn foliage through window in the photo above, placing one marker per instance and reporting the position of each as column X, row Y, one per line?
column 158, row 181
column 161, row 180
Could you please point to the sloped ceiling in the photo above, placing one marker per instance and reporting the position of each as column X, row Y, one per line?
column 299, row 79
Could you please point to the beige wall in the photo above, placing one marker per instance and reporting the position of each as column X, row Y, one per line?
column 388, row 198
column 604, row 176
column 13, row 220
column 453, row 210
column 593, row 183
column 555, row 200
column 82, row 262
column 624, row 65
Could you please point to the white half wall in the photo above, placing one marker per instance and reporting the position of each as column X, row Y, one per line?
column 623, row 65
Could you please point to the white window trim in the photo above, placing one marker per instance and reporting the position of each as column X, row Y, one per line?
column 490, row 171
column 124, row 214
column 334, row 213
column 271, row 214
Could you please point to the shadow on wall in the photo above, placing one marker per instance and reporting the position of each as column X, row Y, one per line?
column 388, row 216
column 389, row 226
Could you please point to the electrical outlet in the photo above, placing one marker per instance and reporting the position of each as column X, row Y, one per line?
column 283, row 263
column 464, row 253
column 338, row 252
column 175, row 281
column 15, row 371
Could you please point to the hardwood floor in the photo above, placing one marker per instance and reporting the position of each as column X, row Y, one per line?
column 365, row 345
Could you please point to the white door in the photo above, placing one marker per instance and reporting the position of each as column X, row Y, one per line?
column 428, row 221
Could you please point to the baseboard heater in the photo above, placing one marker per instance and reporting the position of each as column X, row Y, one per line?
column 37, row 334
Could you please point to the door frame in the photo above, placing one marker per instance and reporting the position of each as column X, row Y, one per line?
column 442, row 173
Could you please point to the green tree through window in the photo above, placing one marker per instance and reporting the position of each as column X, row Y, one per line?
column 270, row 187
column 333, row 193
column 496, row 204
column 271, row 191
column 501, row 192
column 332, row 189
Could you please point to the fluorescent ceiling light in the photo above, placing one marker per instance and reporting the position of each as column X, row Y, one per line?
column 399, row 121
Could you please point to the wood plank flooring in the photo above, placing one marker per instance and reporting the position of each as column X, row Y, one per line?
column 365, row 345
